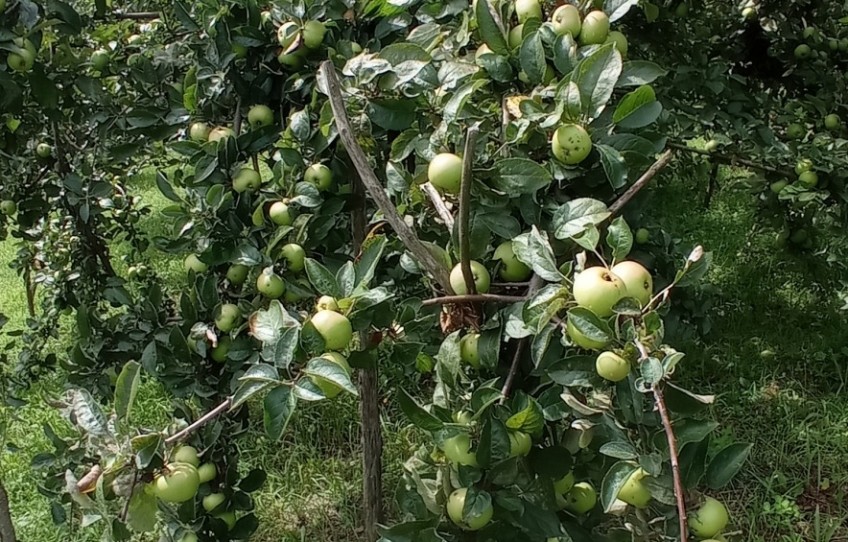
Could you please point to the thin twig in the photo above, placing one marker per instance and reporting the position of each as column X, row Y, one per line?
column 731, row 160
column 442, row 209
column 200, row 422
column 372, row 184
column 465, row 209
column 536, row 282
column 672, row 449
column 237, row 118
column 640, row 183
column 504, row 124
column 473, row 298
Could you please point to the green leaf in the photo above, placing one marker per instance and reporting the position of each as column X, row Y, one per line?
column 565, row 53
column 618, row 8
column 613, row 481
column 165, row 187
column 190, row 90
column 491, row 27
column 726, row 464
column 141, row 510
column 529, row 420
column 639, row 72
column 43, row 89
column 87, row 413
column 534, row 250
column 596, row 76
column 181, row 12
column 531, row 57
column 619, row 450
column 651, row 370
column 256, row 379
column 614, row 165
column 619, row 238
column 68, row 15
column 321, row 278
column 587, row 323
column 395, row 115
column 494, row 445
column 573, row 218
column 370, row 257
column 637, row 109
column 345, row 277
column 516, row 176
column 568, row 97
column 330, row 371
column 146, row 447
column 279, row 406
column 126, row 389
column 692, row 460
column 417, row 414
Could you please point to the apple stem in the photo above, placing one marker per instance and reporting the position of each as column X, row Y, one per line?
column 360, row 161
column 465, row 208
column 672, row 449
column 471, row 298
column 732, row 160
column 439, row 204
column 640, row 183
column 200, row 422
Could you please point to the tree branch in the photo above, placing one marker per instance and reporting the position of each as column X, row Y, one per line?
column 472, row 298
column 640, row 183
column 465, row 208
column 372, row 184
column 536, row 282
column 237, row 119
column 7, row 528
column 200, row 422
column 731, row 160
column 137, row 15
column 442, row 209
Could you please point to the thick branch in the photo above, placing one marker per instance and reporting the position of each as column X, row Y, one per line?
column 372, row 184
column 465, row 209
column 137, row 15
column 472, row 298
column 536, row 282
column 442, row 209
column 7, row 528
column 640, row 183
column 731, row 160
column 200, row 422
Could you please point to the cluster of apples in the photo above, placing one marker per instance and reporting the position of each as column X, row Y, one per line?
column 335, row 329
column 21, row 57
column 296, row 40
column 819, row 46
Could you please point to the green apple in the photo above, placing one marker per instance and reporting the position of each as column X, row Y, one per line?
column 326, row 303
column 516, row 36
column 20, row 61
column 178, row 484
column 634, row 492
column 220, row 352
column 566, row 20
column 270, row 284
column 637, row 280
column 564, row 484
column 457, row 449
column 329, row 388
column 193, row 263
column 612, row 367
column 212, row 501
column 511, row 269
column 463, row 417
column 237, row 273
column 280, row 214
column 749, row 13
column 619, row 41
column 598, row 289
column 100, row 59
column 287, row 34
column 335, row 328
column 682, row 9
column 319, row 175
column 520, row 444
column 810, row 32
column 43, row 150
column 808, row 179
column 479, row 273
column 571, row 144
column 313, row 34
column 220, row 133
column 229, row 518
column 528, row 9
column 294, row 60
column 247, row 179
column 445, row 172
column 803, row 51
column 778, row 186
column 468, row 351
column 709, row 519
column 239, row 50
column 295, row 257
column 843, row 45
column 206, row 472
column 259, row 116
column 456, row 507
column 189, row 537
column 482, row 50
column 642, row 236
column 582, row 340
column 833, row 123
column 581, row 498
column 8, row 207
column 227, row 317
column 199, row 131
column 186, row 454
column 596, row 26
column 803, row 165
column 710, row 145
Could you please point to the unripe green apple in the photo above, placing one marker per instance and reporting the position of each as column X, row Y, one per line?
column 313, row 34
column 803, row 51
column 457, row 449
column 239, row 50
column 326, row 303
column 178, row 484
column 220, row 133
column 612, row 367
column 634, row 492
column 295, row 257
column 709, row 519
column 186, row 454
column 445, row 172
column 778, row 186
column 227, row 317
column 212, row 501
column 455, row 507
column 749, row 13
column 463, row 417
column 564, row 484
column 206, row 472
column 247, row 179
column 682, row 9
column 199, row 131
column 804, row 164
column 280, row 214
column 43, row 150
column 481, row 277
column 8, row 207
column 468, row 351
column 833, row 123
column 259, row 116
column 571, row 144
column 566, row 20
column 229, row 518
column 596, row 26
column 189, row 537
column 642, row 236
column 516, row 36
column 598, row 289
column 637, row 280
column 193, row 263
column 220, row 352
column 270, row 284
column 319, row 175
column 294, row 60
column 335, row 328
column 329, row 388
column 581, row 498
column 528, row 9
column 619, row 41
column 22, row 60
column 482, row 50
column 512, row 269
column 582, row 340
column 520, row 444
column 808, row 179
column 237, row 273
column 100, row 59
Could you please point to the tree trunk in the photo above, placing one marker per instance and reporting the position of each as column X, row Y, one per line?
column 7, row 528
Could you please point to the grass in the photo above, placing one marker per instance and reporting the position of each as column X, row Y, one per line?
column 792, row 405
